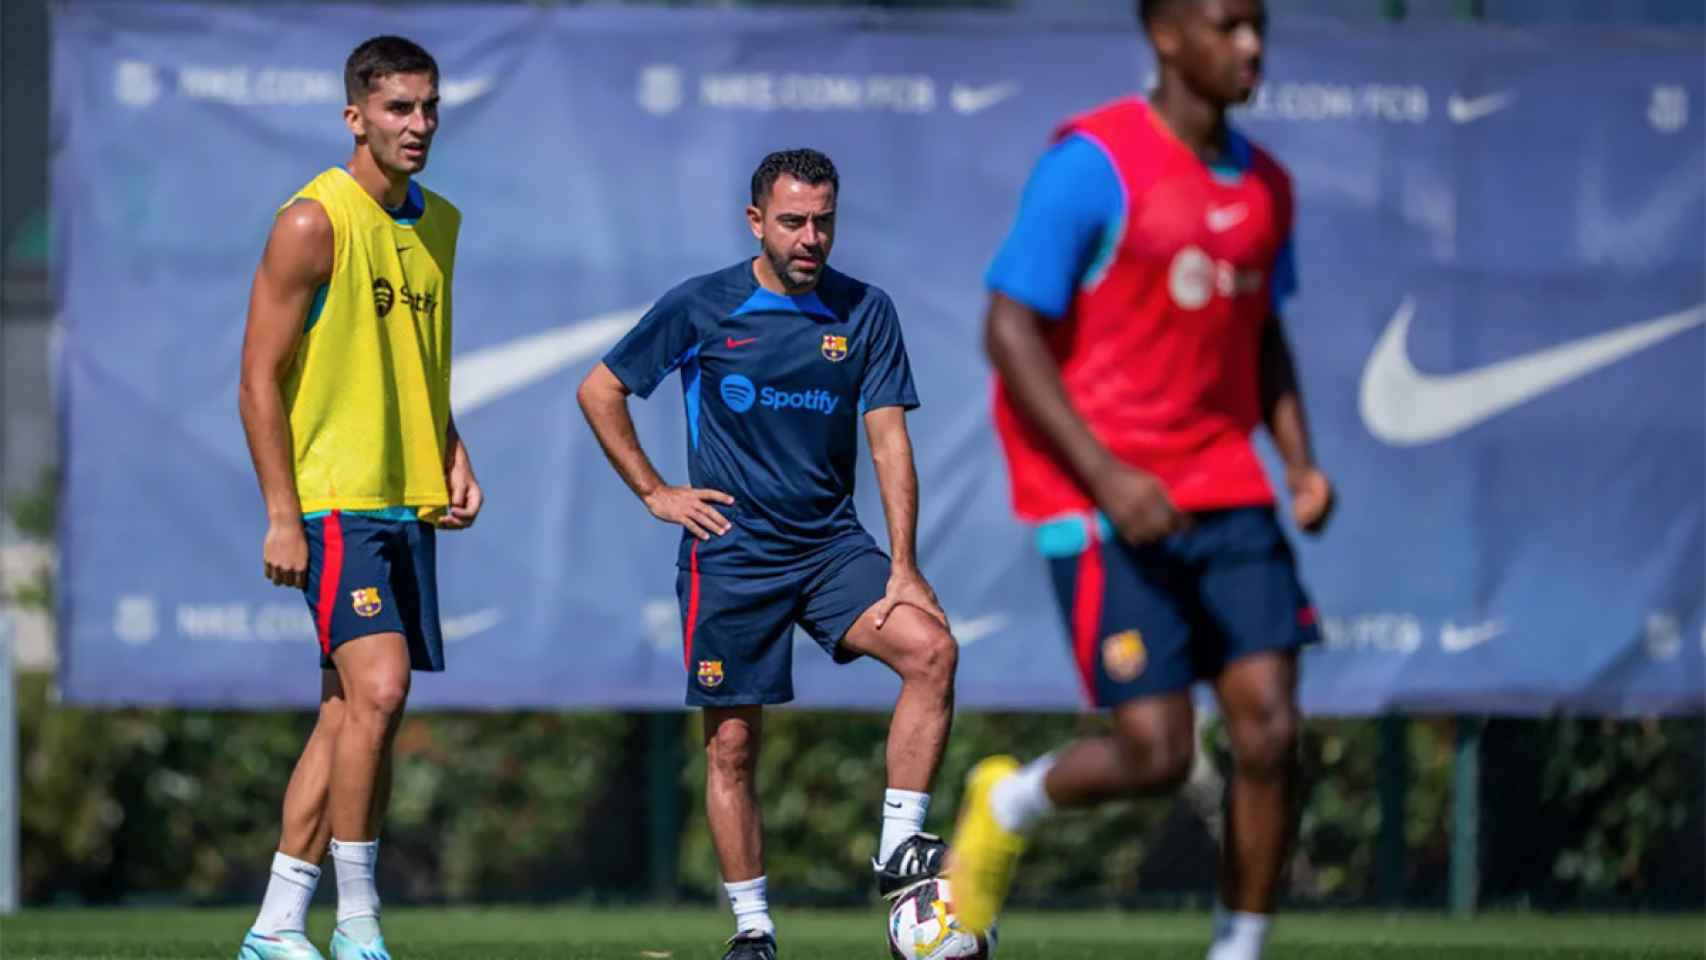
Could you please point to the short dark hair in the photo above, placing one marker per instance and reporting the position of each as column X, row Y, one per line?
column 381, row 57
column 805, row 165
column 1148, row 10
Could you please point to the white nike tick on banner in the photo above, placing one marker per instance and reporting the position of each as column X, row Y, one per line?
column 1406, row 407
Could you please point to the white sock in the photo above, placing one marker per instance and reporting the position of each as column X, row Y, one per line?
column 903, row 816
column 358, row 895
column 751, row 905
column 1019, row 801
column 1238, row 935
column 289, row 891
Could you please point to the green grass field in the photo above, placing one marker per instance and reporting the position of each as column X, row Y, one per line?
column 695, row 934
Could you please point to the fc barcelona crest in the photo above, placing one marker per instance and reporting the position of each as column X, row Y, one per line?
column 365, row 601
column 834, row 348
column 710, row 674
column 1124, row 656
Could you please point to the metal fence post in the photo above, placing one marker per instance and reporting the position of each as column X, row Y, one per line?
column 1393, row 780
column 663, row 737
column 8, row 770
column 1466, row 817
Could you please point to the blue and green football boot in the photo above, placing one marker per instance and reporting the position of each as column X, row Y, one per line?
column 358, row 938
column 288, row 945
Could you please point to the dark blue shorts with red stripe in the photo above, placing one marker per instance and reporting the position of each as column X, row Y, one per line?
column 1155, row 619
column 368, row 575
column 738, row 630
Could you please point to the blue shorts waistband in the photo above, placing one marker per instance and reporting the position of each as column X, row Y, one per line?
column 393, row 514
column 1069, row 534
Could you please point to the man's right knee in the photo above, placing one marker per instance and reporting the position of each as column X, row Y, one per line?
column 1156, row 749
column 1154, row 764
column 381, row 697
column 373, row 672
column 732, row 749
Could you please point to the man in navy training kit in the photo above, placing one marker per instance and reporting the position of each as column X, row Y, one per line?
column 781, row 357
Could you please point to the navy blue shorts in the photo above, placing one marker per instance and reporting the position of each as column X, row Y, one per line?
column 367, row 576
column 1155, row 619
column 738, row 631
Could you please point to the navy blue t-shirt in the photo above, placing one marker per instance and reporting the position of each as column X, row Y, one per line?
column 775, row 387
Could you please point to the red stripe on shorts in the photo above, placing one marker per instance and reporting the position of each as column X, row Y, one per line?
column 331, row 571
column 1087, row 598
column 692, row 607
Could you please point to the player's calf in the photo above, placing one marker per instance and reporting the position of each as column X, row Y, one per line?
column 926, row 657
column 1121, row 766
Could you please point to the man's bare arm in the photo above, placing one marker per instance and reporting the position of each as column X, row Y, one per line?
column 1135, row 502
column 604, row 400
column 296, row 262
column 467, row 497
column 1282, row 407
column 897, row 480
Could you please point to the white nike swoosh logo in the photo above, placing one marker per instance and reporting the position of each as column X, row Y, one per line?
column 1404, row 407
column 471, row 624
column 967, row 100
column 1620, row 230
column 1222, row 219
column 1470, row 109
column 455, row 93
column 1455, row 639
column 971, row 631
column 492, row 372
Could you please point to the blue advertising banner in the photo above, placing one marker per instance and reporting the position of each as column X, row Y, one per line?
column 1498, row 330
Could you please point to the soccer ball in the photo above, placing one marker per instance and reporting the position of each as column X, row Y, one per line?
column 922, row 927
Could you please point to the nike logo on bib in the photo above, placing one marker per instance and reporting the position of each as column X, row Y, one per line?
column 1222, row 219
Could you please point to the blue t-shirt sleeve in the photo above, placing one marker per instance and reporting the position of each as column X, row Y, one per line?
column 1065, row 228
column 888, row 373
column 663, row 339
column 1284, row 282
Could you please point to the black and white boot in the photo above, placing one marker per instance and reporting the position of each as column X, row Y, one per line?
column 919, row 857
column 751, row 945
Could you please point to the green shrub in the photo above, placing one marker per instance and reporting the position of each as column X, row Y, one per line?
column 184, row 804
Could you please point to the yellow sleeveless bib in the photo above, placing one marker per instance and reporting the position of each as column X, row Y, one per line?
column 369, row 392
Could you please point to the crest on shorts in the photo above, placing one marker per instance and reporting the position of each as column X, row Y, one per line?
column 710, row 673
column 834, row 347
column 1124, row 656
column 365, row 601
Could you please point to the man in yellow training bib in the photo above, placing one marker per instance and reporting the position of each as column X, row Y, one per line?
column 345, row 399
